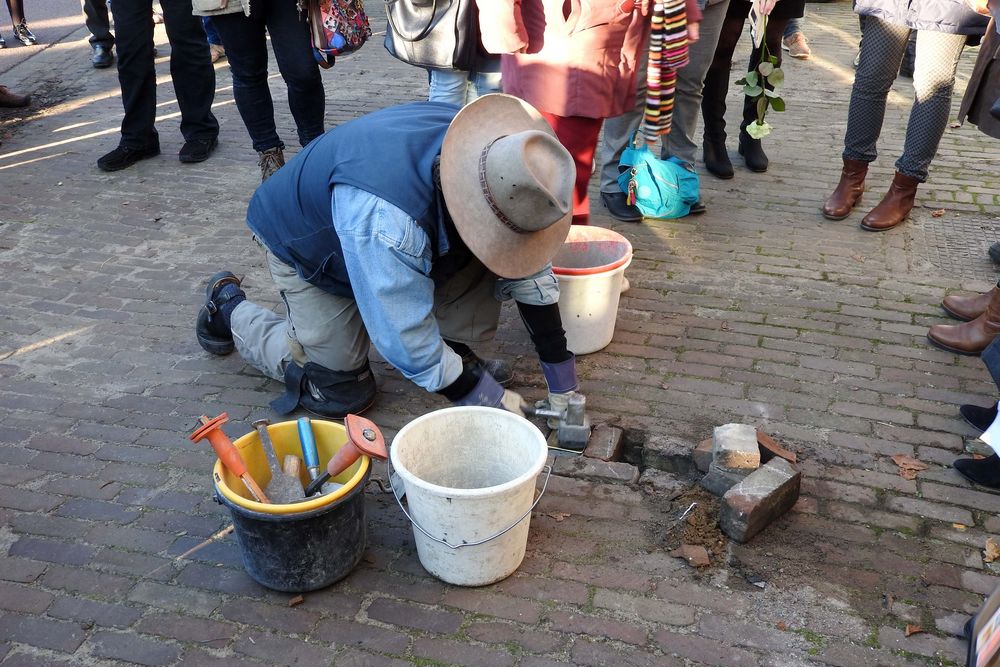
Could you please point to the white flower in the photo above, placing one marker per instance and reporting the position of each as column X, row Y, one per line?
column 757, row 130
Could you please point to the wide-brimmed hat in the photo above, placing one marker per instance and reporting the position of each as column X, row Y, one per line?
column 508, row 184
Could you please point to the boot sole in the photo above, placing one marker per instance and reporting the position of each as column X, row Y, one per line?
column 881, row 229
column 947, row 348
column 952, row 313
column 756, row 170
column 212, row 344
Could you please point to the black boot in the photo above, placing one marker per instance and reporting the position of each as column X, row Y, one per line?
column 213, row 329
column 716, row 158
column 753, row 153
column 978, row 417
column 713, row 113
column 985, row 472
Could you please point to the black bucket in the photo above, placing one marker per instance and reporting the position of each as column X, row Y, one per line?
column 304, row 551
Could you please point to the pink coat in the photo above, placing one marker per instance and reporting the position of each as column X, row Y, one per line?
column 580, row 64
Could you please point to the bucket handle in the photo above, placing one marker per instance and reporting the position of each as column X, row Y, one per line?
column 399, row 501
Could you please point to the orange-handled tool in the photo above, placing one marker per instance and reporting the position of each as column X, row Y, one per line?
column 211, row 430
column 363, row 437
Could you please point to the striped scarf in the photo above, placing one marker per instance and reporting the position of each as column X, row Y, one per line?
column 668, row 52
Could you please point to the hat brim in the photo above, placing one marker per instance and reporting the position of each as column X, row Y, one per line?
column 505, row 252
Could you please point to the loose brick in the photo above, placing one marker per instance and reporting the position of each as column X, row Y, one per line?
column 605, row 443
column 719, row 480
column 758, row 500
column 582, row 467
column 734, row 447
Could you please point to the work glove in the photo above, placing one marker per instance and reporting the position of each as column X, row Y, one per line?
column 561, row 380
column 489, row 393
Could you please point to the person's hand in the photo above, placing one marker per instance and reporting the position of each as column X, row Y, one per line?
column 513, row 402
column 694, row 31
column 766, row 6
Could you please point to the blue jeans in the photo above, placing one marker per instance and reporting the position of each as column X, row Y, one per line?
column 460, row 87
column 245, row 38
column 794, row 26
column 210, row 31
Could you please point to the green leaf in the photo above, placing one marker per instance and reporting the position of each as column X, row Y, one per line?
column 761, row 109
column 777, row 104
column 752, row 91
column 773, row 59
column 765, row 68
column 770, row 93
column 777, row 77
column 751, row 79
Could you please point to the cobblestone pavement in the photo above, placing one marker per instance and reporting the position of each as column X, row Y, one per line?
column 759, row 311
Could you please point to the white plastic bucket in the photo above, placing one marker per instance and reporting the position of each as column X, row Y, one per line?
column 590, row 267
column 469, row 474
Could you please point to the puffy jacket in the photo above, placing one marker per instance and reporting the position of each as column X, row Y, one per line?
column 948, row 16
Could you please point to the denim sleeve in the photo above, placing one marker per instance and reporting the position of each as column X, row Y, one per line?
column 388, row 259
column 540, row 289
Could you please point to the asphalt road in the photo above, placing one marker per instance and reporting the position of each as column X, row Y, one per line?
column 51, row 20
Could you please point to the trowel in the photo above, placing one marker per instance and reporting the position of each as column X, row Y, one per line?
column 363, row 437
column 311, row 456
column 282, row 488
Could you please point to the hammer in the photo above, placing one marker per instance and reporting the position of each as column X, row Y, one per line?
column 573, row 431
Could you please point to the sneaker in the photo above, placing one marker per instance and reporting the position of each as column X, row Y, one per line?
column 218, row 52
column 797, row 46
column 124, row 157
column 213, row 329
column 197, row 150
column 269, row 162
column 24, row 35
column 13, row 100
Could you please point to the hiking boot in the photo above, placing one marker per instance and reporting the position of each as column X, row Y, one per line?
column 13, row 100
column 797, row 46
column 124, row 157
column 213, row 328
column 270, row 161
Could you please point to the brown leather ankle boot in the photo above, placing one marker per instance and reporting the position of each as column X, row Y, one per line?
column 848, row 192
column 894, row 207
column 967, row 308
column 971, row 337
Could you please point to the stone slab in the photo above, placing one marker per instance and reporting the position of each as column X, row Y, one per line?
column 734, row 446
column 582, row 467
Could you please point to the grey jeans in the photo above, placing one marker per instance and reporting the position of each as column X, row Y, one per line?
column 680, row 142
column 328, row 330
column 882, row 48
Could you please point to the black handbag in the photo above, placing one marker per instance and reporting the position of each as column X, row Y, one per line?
column 437, row 34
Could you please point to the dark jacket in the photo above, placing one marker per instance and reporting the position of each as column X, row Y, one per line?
column 984, row 86
column 948, row 16
column 389, row 153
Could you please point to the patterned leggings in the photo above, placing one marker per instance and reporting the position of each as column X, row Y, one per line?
column 882, row 48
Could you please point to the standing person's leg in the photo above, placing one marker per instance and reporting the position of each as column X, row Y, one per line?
column 933, row 84
column 193, row 78
column 21, row 31
column 579, row 135
column 750, row 148
column 293, row 52
column 882, row 47
column 485, row 78
column 215, row 46
column 691, row 81
column 617, row 133
column 794, row 40
column 245, row 38
column 101, row 40
column 136, row 74
column 448, row 85
column 713, row 103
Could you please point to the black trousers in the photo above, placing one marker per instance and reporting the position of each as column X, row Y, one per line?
column 190, row 68
column 98, row 23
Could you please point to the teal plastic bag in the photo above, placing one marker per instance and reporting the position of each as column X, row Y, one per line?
column 660, row 189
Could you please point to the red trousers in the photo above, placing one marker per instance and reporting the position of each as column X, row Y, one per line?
column 579, row 136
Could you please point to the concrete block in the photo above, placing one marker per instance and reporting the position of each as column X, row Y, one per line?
column 605, row 443
column 734, row 446
column 668, row 453
column 581, row 467
column 758, row 500
column 662, row 483
column 702, row 455
column 719, row 480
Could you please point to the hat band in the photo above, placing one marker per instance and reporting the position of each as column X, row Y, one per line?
column 485, row 186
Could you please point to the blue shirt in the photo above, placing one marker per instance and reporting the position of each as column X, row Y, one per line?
column 388, row 256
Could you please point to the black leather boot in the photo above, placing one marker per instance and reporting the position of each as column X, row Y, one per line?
column 753, row 153
column 713, row 113
column 978, row 417
column 985, row 472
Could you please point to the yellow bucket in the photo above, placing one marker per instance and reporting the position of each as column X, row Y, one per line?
column 330, row 437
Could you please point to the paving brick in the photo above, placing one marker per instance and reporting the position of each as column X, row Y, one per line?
column 361, row 635
column 647, row 608
column 762, row 497
column 595, row 470
column 605, row 443
column 456, row 653
column 98, row 510
column 597, row 626
column 14, row 597
column 52, row 551
column 594, row 654
column 20, row 569
column 42, row 632
column 121, row 646
column 734, row 447
column 208, row 633
column 530, row 640
column 929, row 510
column 176, row 598
column 544, row 589
column 719, row 480
column 352, row 658
column 413, row 616
column 28, row 500
column 501, row 606
column 284, row 650
column 705, row 651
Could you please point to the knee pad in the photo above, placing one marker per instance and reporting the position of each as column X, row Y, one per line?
column 325, row 392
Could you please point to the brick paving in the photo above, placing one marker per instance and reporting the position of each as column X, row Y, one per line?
column 758, row 312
